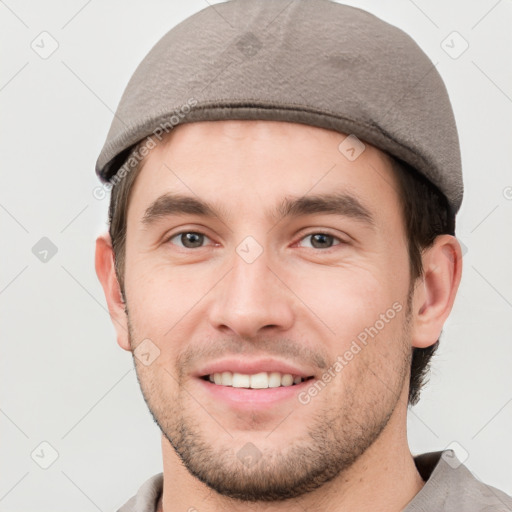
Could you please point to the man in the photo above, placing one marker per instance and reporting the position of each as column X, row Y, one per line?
column 281, row 260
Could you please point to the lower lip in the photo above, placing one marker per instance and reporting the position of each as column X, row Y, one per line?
column 253, row 397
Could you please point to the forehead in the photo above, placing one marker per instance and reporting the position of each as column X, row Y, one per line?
column 247, row 164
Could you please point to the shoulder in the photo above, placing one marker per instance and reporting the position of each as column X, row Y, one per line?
column 450, row 486
column 147, row 496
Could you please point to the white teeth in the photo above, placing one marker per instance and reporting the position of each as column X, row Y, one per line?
column 262, row 380
column 241, row 381
column 227, row 379
column 274, row 380
column 259, row 380
column 286, row 380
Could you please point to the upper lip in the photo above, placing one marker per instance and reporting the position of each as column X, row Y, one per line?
column 252, row 366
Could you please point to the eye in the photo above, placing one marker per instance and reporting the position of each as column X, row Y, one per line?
column 188, row 239
column 322, row 240
column 194, row 240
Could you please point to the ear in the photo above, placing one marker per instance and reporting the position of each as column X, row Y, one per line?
column 105, row 270
column 435, row 293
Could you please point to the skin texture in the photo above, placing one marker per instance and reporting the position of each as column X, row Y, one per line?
column 297, row 302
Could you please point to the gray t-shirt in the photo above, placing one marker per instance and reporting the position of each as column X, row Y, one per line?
column 449, row 487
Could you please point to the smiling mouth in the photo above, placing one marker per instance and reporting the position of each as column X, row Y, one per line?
column 262, row 380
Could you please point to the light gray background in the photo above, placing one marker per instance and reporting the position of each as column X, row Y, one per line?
column 65, row 380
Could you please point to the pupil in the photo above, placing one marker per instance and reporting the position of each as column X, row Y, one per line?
column 191, row 239
column 322, row 237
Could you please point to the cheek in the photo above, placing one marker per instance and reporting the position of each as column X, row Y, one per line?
column 164, row 304
column 158, row 294
column 347, row 299
column 365, row 315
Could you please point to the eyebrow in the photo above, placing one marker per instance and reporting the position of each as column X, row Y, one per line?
column 341, row 203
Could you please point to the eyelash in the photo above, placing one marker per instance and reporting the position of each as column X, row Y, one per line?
column 341, row 242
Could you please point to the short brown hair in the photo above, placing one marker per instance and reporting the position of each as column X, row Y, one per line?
column 426, row 215
column 425, row 212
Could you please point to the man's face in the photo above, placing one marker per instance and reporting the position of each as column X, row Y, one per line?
column 251, row 292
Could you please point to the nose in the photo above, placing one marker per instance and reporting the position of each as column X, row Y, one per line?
column 252, row 299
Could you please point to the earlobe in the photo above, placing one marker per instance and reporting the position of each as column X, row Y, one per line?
column 434, row 295
column 105, row 270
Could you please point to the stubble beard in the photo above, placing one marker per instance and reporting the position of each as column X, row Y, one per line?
column 334, row 439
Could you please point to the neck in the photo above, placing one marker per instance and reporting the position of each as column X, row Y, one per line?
column 384, row 478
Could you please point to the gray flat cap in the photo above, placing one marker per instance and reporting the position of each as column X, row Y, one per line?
column 315, row 62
